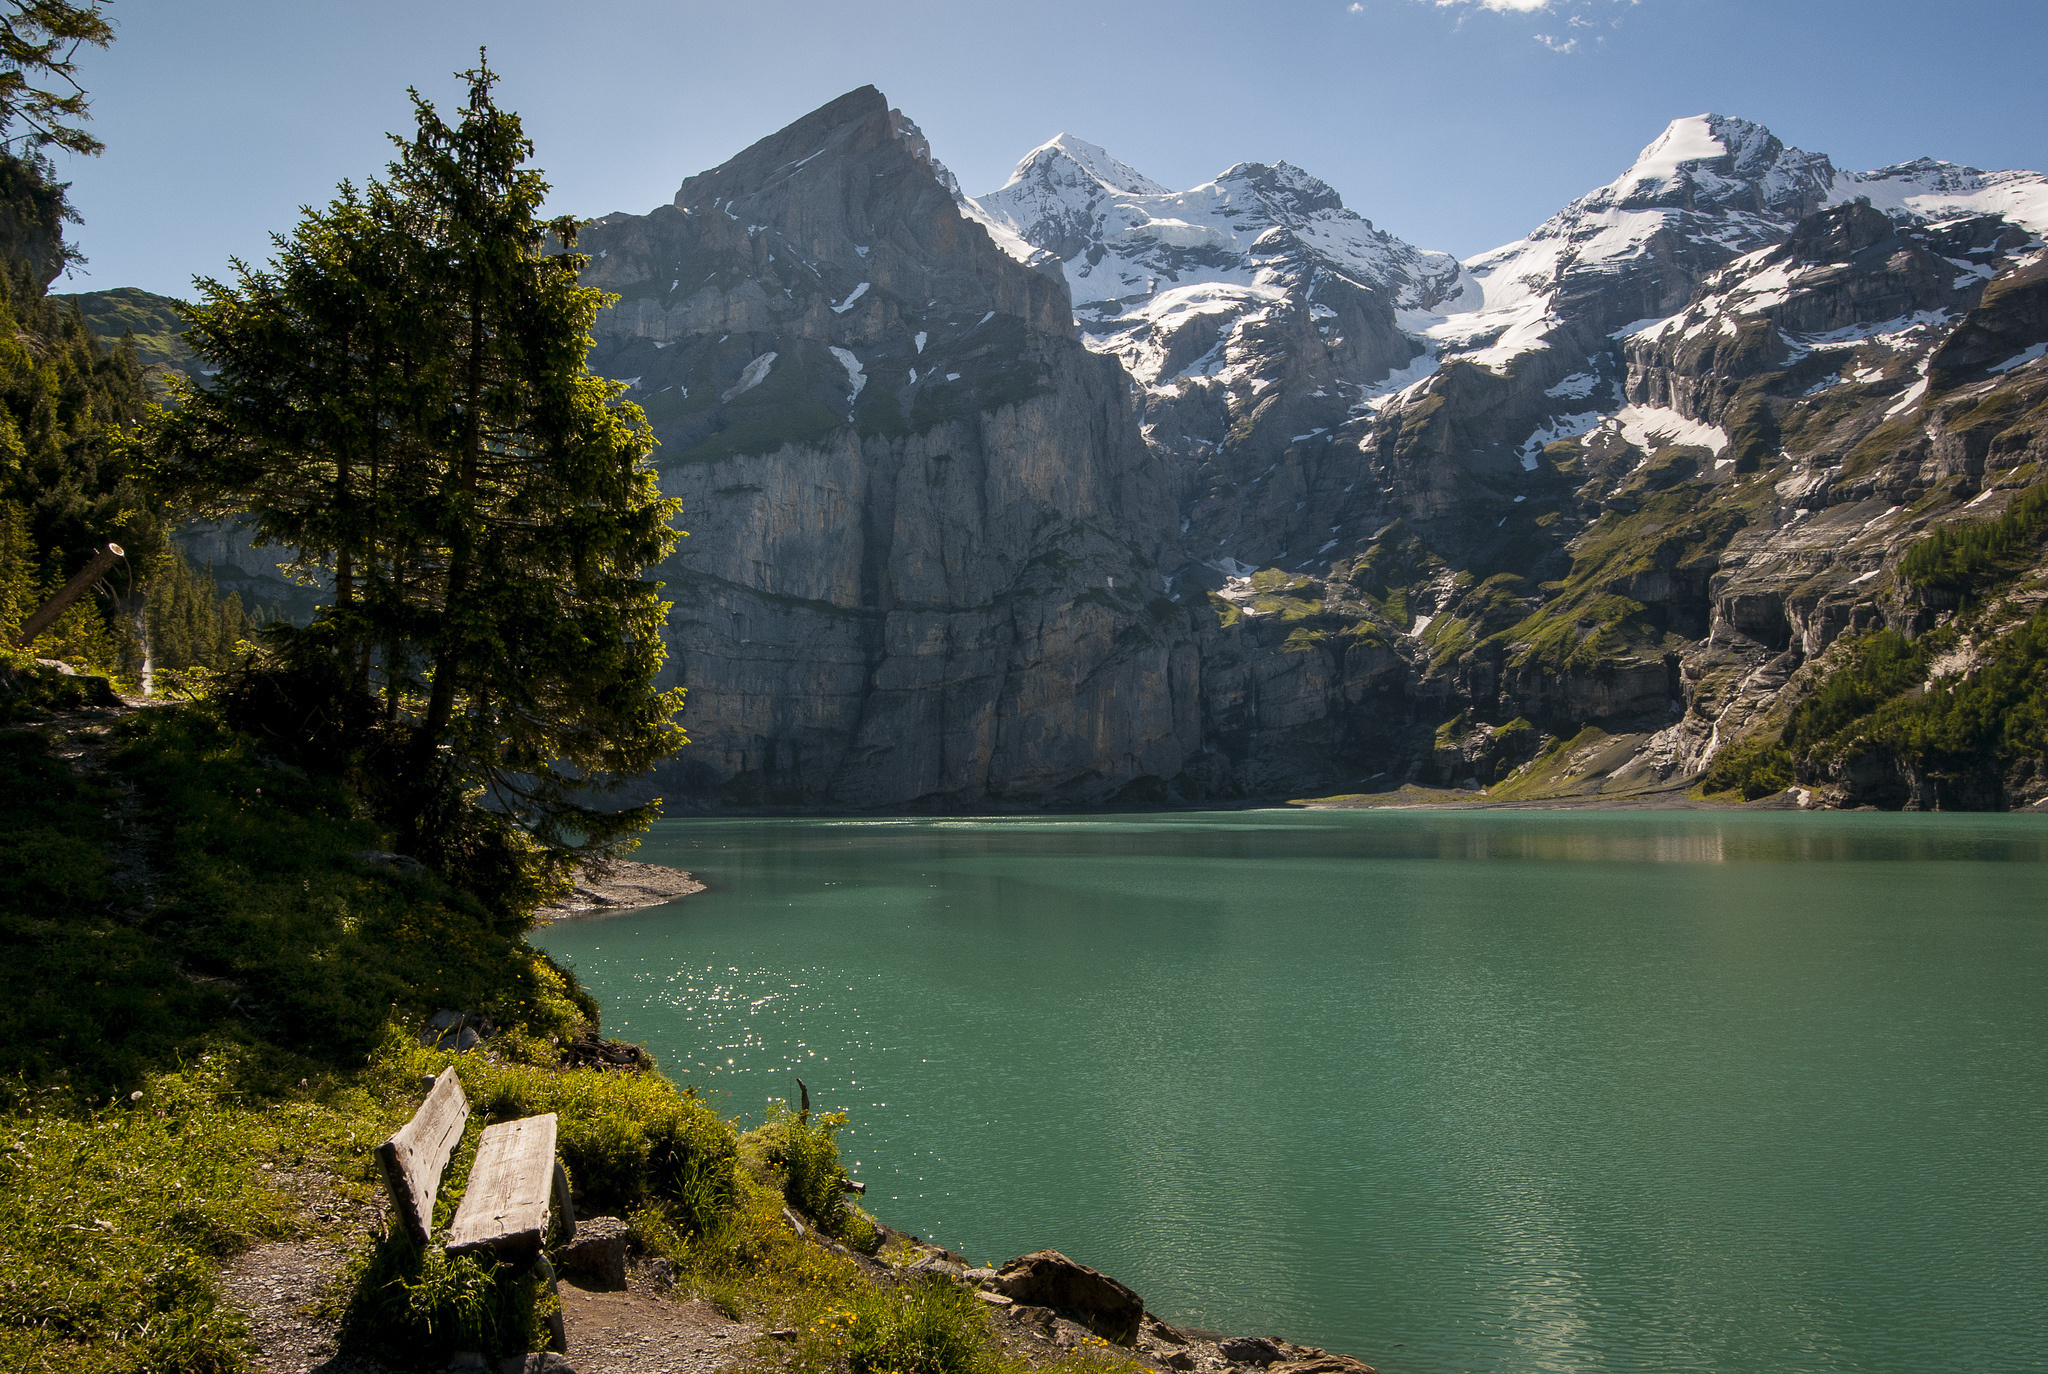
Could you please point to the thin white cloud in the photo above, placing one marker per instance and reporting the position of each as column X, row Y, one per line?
column 1575, row 14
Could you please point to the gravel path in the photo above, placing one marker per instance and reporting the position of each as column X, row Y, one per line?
column 640, row 1332
column 279, row 1287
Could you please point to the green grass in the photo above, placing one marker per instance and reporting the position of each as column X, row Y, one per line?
column 168, row 1058
column 927, row 1327
column 162, row 1044
column 118, row 1213
column 262, row 930
column 803, row 1149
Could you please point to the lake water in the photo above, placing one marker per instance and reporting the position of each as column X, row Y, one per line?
column 1497, row 1091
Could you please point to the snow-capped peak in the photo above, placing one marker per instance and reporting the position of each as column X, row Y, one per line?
column 1942, row 190
column 1724, row 186
column 1095, row 163
column 1138, row 255
column 1716, row 162
column 1285, row 191
column 1692, row 139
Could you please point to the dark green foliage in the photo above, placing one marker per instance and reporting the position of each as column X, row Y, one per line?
column 1758, row 767
column 39, row 40
column 403, row 399
column 1882, row 666
column 64, row 404
column 1878, row 669
column 33, row 212
column 190, row 624
column 263, row 927
column 1967, row 561
column 1996, row 715
column 1981, row 724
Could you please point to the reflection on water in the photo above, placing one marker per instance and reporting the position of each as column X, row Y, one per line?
column 1453, row 1091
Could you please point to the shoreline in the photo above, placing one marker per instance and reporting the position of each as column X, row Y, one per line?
column 626, row 885
column 1407, row 798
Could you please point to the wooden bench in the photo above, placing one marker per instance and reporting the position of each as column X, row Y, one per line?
column 516, row 1186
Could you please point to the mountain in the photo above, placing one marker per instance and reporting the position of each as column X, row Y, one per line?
column 1087, row 489
column 153, row 321
column 1248, row 310
column 923, row 566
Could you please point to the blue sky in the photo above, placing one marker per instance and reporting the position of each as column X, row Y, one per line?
column 1457, row 124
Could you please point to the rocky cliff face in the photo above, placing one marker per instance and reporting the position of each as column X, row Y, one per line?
column 925, row 533
column 1087, row 488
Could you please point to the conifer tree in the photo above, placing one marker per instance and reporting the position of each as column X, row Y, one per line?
column 38, row 41
column 402, row 398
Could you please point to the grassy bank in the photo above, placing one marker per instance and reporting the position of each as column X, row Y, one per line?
column 207, row 1016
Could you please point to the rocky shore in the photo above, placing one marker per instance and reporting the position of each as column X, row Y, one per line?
column 620, row 886
column 1045, row 1305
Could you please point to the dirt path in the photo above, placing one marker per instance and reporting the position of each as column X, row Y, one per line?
column 640, row 1332
column 278, row 1287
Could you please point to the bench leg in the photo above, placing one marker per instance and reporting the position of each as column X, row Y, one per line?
column 565, row 1210
column 558, row 1334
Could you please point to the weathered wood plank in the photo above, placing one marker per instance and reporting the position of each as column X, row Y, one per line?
column 505, row 1207
column 414, row 1158
column 564, row 1208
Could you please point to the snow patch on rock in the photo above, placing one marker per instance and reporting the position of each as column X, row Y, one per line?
column 751, row 376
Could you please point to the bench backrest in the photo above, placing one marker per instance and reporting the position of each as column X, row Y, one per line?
column 413, row 1159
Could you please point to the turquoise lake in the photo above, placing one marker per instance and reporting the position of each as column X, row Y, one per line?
column 1493, row 1091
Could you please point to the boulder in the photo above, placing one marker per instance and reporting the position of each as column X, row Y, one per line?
column 938, row 1266
column 455, row 1030
column 384, row 861
column 596, row 1258
column 540, row 1362
column 1047, row 1278
column 1158, row 1330
column 1249, row 1350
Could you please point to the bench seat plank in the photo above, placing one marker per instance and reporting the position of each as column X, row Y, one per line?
column 413, row 1159
column 510, row 1186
